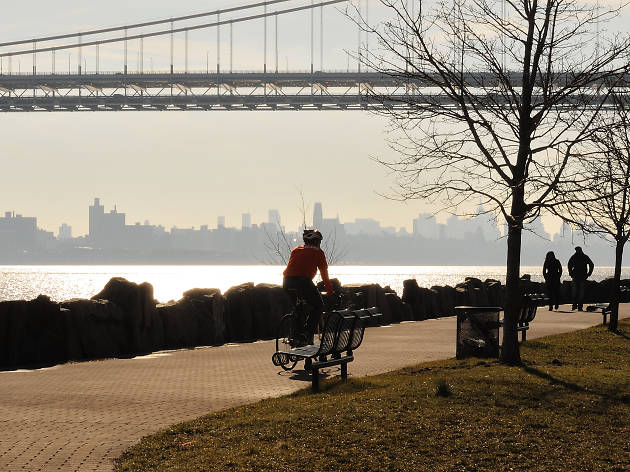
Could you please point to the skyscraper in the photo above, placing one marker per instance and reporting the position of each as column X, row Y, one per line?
column 246, row 220
column 318, row 217
column 274, row 219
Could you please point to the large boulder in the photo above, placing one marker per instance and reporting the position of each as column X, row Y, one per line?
column 211, row 303
column 413, row 297
column 240, row 306
column 144, row 329
column 183, row 325
column 96, row 329
column 271, row 303
column 371, row 295
column 33, row 333
column 495, row 291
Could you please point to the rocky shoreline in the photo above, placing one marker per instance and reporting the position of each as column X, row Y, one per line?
column 124, row 320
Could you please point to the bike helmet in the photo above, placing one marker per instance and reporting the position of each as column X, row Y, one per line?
column 312, row 236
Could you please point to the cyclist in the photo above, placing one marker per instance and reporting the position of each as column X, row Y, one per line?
column 302, row 267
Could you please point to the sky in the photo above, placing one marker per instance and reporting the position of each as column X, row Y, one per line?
column 187, row 168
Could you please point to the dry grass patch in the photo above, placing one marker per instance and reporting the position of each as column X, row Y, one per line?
column 567, row 408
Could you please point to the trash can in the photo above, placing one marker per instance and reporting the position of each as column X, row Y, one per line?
column 477, row 331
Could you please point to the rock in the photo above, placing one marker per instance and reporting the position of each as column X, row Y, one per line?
column 33, row 333
column 495, row 291
column 199, row 293
column 395, row 307
column 372, row 295
column 239, row 312
column 210, row 304
column 183, row 324
column 271, row 303
column 413, row 297
column 137, row 303
column 96, row 329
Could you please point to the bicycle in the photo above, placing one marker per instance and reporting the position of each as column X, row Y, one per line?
column 290, row 331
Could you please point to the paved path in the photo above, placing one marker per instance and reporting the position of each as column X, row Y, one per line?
column 78, row 417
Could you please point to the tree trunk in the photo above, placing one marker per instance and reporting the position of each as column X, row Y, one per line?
column 616, row 296
column 510, row 353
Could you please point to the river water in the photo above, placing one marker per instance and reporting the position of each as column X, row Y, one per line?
column 170, row 281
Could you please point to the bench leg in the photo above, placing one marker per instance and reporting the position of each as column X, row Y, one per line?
column 315, row 380
column 344, row 371
column 605, row 314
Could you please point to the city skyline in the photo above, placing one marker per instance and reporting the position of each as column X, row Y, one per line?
column 113, row 239
column 428, row 225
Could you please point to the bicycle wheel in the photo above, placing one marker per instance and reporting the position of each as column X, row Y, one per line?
column 285, row 340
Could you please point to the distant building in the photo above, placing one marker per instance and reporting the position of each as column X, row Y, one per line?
column 318, row 216
column 17, row 231
column 65, row 232
column 246, row 220
column 366, row 226
column 106, row 229
column 221, row 222
column 426, row 226
column 274, row 219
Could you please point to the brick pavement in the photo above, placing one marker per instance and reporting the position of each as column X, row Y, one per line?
column 78, row 417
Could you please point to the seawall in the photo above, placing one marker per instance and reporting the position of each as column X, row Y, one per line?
column 125, row 320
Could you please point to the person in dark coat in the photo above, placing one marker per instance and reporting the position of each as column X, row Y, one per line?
column 580, row 268
column 552, row 270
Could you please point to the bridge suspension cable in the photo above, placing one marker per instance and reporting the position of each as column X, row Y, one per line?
column 141, row 25
column 170, row 30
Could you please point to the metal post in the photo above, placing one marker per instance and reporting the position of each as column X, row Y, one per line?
column 186, row 52
column 367, row 33
column 321, row 37
column 97, row 59
column 34, row 58
column 53, row 61
column 276, row 43
column 218, row 54
column 125, row 51
column 142, row 55
column 80, row 53
column 312, row 36
column 265, row 41
column 231, row 40
column 359, row 40
column 172, row 52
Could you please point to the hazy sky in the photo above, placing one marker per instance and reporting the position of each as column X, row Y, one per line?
column 187, row 168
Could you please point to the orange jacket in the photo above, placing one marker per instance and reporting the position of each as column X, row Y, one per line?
column 304, row 262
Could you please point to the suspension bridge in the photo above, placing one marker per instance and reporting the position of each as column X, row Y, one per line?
column 97, row 83
column 47, row 88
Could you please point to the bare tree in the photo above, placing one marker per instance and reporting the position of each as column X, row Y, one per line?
column 499, row 93
column 604, row 208
column 279, row 243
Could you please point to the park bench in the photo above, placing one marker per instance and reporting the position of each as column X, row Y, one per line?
column 343, row 334
column 605, row 308
column 529, row 304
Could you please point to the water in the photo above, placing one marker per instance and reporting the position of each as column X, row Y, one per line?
column 169, row 282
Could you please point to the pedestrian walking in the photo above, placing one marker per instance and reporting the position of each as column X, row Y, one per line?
column 552, row 271
column 580, row 268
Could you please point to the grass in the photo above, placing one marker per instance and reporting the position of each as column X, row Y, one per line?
column 567, row 408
